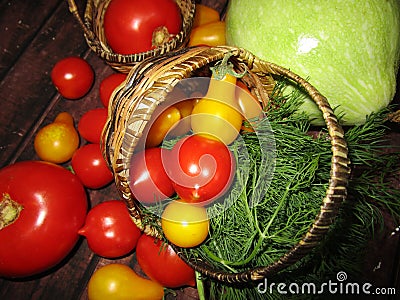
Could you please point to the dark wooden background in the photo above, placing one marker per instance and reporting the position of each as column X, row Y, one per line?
column 34, row 36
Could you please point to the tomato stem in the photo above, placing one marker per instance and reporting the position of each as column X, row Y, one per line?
column 160, row 36
column 223, row 67
column 9, row 211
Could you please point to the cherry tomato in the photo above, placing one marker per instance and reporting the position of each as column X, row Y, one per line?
column 201, row 169
column 149, row 182
column 161, row 126
column 73, row 77
column 57, row 141
column 118, row 281
column 91, row 124
column 204, row 14
column 184, row 224
column 183, row 126
column 161, row 263
column 109, row 229
column 133, row 26
column 42, row 232
column 90, row 166
column 108, row 85
column 210, row 34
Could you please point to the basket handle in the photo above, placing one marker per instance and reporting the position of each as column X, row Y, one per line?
column 74, row 11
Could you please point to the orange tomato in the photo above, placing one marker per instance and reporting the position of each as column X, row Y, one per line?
column 204, row 14
column 162, row 124
column 57, row 141
column 210, row 34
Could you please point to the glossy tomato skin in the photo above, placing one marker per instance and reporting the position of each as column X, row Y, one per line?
column 54, row 208
column 91, row 124
column 108, row 85
column 116, row 281
column 201, row 169
column 90, row 166
column 109, row 229
column 160, row 262
column 129, row 24
column 73, row 77
column 149, row 182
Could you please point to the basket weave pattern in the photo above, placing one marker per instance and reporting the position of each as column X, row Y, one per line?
column 147, row 86
column 92, row 26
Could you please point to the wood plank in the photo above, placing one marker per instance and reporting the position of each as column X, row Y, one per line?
column 20, row 21
column 27, row 90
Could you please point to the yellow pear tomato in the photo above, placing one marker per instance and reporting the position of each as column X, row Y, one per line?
column 118, row 282
column 57, row 141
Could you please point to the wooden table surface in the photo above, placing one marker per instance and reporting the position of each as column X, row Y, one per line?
column 34, row 36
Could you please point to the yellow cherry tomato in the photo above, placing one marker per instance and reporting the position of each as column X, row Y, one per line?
column 117, row 282
column 183, row 126
column 204, row 14
column 160, row 127
column 210, row 34
column 57, row 141
column 185, row 225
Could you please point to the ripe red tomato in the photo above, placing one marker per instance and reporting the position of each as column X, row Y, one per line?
column 73, row 77
column 161, row 263
column 129, row 24
column 149, row 182
column 90, row 166
column 109, row 229
column 201, row 169
column 53, row 207
column 91, row 124
column 108, row 85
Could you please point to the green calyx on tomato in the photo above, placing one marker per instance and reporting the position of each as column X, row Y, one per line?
column 9, row 211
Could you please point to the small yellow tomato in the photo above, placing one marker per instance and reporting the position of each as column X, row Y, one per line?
column 162, row 124
column 117, row 282
column 204, row 14
column 183, row 126
column 210, row 34
column 185, row 225
column 57, row 141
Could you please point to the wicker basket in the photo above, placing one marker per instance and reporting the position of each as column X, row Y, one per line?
column 92, row 25
column 133, row 103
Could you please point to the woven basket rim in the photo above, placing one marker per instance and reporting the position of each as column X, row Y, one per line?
column 178, row 65
column 92, row 26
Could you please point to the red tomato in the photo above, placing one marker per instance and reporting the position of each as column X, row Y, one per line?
column 109, row 229
column 108, row 85
column 91, row 124
column 129, row 24
column 161, row 263
column 53, row 207
column 90, row 166
column 73, row 77
column 201, row 169
column 149, row 182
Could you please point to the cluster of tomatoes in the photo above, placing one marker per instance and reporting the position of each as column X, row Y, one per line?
column 198, row 167
column 44, row 206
